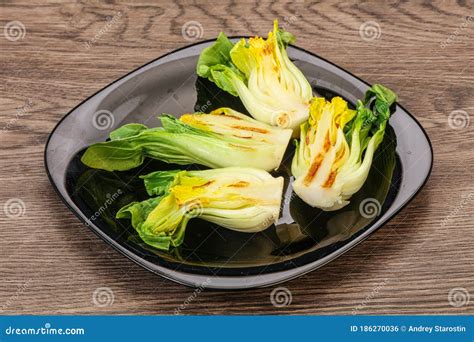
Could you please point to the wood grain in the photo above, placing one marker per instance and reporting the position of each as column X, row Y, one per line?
column 52, row 264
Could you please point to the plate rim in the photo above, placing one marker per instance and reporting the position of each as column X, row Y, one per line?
column 228, row 282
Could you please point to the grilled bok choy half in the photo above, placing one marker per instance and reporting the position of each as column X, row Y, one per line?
column 238, row 198
column 259, row 72
column 333, row 157
column 222, row 138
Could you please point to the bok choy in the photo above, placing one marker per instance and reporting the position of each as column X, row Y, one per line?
column 333, row 157
column 237, row 198
column 259, row 72
column 222, row 138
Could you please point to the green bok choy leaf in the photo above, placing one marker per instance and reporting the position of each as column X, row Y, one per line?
column 237, row 198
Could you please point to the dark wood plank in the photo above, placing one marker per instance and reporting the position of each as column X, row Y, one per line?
column 52, row 264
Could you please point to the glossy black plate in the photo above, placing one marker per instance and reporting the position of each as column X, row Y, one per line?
column 303, row 239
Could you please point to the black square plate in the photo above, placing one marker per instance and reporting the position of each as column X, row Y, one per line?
column 302, row 240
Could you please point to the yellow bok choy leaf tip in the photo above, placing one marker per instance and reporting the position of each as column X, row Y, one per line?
column 336, row 148
column 237, row 198
column 260, row 73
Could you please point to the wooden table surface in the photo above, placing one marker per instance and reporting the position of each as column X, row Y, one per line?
column 53, row 55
